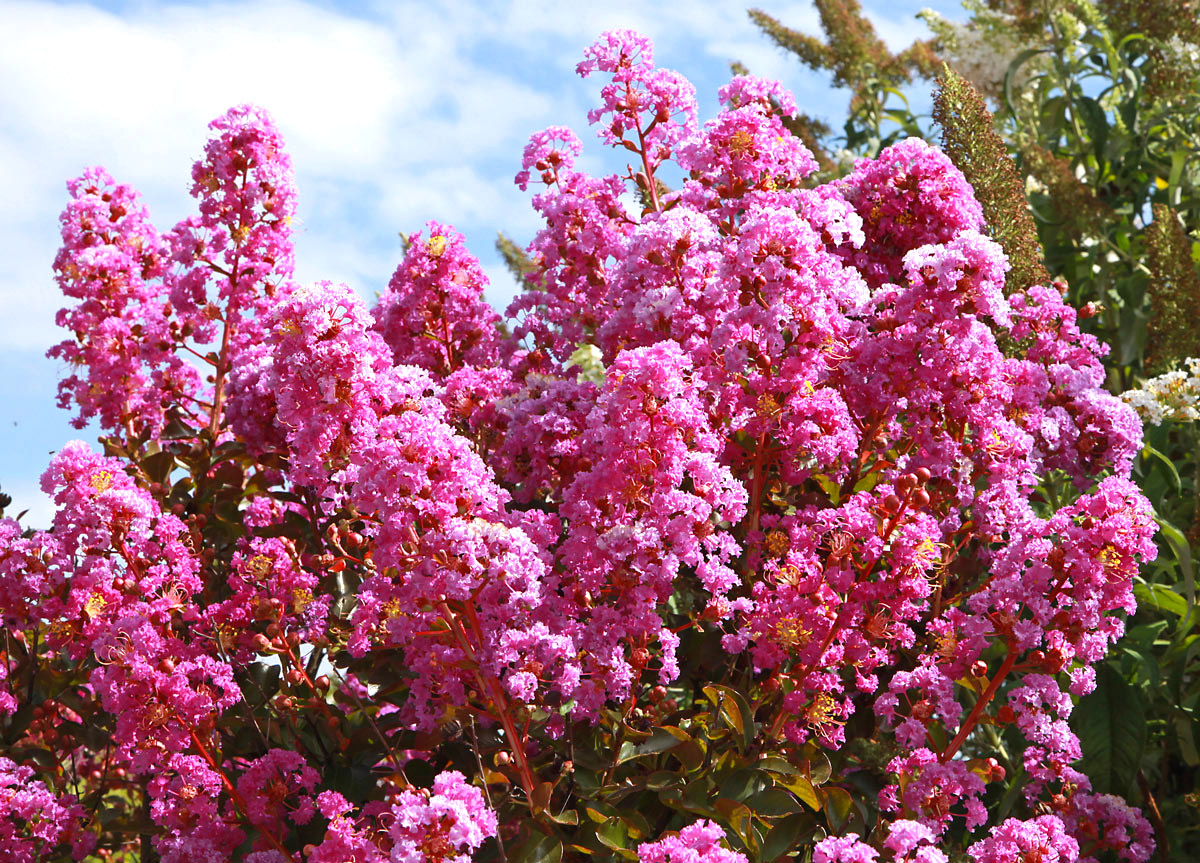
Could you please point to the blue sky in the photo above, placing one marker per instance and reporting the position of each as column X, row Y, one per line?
column 394, row 113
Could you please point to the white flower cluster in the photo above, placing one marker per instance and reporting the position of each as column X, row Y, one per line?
column 980, row 50
column 1182, row 52
column 1171, row 396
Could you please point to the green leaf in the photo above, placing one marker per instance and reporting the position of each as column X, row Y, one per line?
column 159, row 466
column 775, row 764
column 802, row 788
column 568, row 817
column 838, row 806
column 1184, row 730
column 831, row 488
column 744, row 783
column 1111, row 724
column 540, row 798
column 772, row 803
column 1096, row 121
column 740, row 818
column 867, row 483
column 538, row 848
column 785, row 836
column 613, row 834
column 690, row 754
column 735, row 709
column 1148, row 450
column 661, row 740
column 1161, row 599
column 1183, row 553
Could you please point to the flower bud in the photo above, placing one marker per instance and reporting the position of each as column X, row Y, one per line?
column 261, row 643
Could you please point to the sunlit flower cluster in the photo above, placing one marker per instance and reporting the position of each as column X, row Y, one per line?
column 805, row 421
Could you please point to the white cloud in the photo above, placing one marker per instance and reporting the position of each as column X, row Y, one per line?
column 28, row 498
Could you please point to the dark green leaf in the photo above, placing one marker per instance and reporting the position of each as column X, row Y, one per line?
column 1096, row 121
column 785, row 836
column 1161, row 599
column 613, row 833
column 838, row 806
column 772, row 803
column 538, row 848
column 1111, row 724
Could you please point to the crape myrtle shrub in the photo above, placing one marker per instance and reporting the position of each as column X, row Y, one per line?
column 733, row 543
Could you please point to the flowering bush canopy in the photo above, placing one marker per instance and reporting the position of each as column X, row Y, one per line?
column 761, row 526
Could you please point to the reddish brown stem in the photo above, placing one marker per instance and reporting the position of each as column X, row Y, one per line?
column 214, row 420
column 496, row 691
column 647, row 171
column 758, row 466
column 982, row 702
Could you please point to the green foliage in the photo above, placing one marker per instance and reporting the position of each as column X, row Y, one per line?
column 515, row 258
column 859, row 60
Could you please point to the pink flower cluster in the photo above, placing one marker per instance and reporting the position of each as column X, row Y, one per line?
column 35, row 822
column 804, row 418
column 446, row 824
column 701, row 842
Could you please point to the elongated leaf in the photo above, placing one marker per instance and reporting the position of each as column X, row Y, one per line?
column 772, row 803
column 1161, row 599
column 661, row 740
column 1183, row 554
column 613, row 833
column 1096, row 121
column 802, row 788
column 1111, row 724
column 1172, row 471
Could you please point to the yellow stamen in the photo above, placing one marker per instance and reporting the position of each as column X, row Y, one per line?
column 436, row 246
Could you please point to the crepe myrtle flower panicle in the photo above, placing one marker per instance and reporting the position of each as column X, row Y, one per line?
column 124, row 369
column 1016, row 841
column 913, row 842
column 449, row 824
column 1105, row 823
column 656, row 105
column 701, row 842
column 34, row 820
column 246, row 191
column 844, row 849
column 910, row 196
column 550, row 154
column 433, row 314
column 769, row 95
column 586, row 223
column 185, row 800
column 346, row 837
